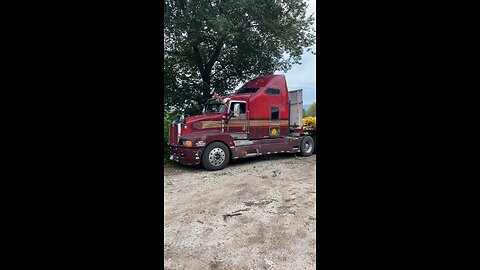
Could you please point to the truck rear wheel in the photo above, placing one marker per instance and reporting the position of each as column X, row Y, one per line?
column 216, row 156
column 307, row 146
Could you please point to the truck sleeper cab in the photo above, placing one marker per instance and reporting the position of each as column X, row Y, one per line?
column 259, row 119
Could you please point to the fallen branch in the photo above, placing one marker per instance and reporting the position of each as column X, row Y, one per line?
column 230, row 215
column 234, row 213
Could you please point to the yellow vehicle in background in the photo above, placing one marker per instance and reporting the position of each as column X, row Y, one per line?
column 310, row 121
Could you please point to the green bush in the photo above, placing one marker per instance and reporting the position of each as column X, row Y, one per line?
column 311, row 110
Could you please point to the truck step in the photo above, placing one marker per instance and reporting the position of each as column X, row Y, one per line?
column 239, row 136
column 242, row 142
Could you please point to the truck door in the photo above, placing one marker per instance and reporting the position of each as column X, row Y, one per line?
column 238, row 124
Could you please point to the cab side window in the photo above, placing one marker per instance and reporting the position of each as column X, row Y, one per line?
column 272, row 91
column 274, row 113
column 242, row 107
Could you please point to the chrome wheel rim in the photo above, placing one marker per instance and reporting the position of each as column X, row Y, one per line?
column 308, row 147
column 216, row 157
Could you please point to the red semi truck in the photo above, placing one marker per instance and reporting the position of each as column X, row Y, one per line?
column 261, row 118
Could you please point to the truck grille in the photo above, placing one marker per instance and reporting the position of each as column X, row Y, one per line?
column 173, row 134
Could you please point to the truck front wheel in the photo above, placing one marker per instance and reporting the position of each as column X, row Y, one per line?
column 307, row 146
column 216, row 156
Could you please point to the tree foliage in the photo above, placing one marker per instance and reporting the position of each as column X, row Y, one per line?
column 214, row 45
column 311, row 110
column 167, row 121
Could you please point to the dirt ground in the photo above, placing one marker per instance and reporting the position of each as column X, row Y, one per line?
column 258, row 213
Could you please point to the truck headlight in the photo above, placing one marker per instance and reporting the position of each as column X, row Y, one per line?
column 187, row 143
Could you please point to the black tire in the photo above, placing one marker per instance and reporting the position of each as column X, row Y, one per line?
column 216, row 156
column 307, row 146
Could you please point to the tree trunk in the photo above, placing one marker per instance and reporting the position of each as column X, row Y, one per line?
column 205, row 68
column 206, row 87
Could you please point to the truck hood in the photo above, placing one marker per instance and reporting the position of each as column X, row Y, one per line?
column 203, row 117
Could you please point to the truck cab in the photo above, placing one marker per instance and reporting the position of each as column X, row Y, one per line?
column 255, row 120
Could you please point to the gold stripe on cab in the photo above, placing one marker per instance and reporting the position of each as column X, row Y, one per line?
column 241, row 123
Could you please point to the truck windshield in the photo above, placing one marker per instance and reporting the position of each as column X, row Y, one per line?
column 214, row 107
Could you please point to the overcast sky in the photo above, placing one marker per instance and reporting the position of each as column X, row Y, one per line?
column 303, row 76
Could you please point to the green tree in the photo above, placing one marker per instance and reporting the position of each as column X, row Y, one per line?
column 214, row 45
column 311, row 110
